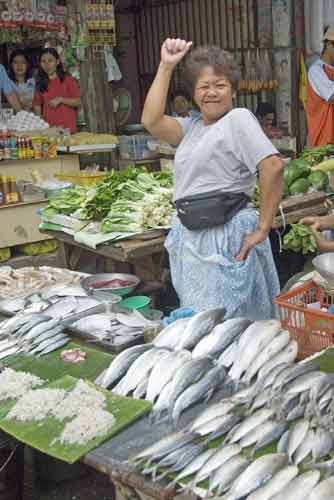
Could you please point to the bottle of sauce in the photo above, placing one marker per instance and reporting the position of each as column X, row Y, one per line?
column 1, row 192
column 6, row 148
column 13, row 195
column 5, row 190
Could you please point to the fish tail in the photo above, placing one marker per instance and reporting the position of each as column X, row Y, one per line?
column 160, row 476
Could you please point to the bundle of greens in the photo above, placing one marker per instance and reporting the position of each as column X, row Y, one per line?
column 67, row 201
column 300, row 239
column 143, row 204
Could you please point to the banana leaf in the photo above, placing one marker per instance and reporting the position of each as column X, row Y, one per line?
column 41, row 435
column 52, row 367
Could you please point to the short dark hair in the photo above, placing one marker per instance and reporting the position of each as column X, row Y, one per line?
column 222, row 62
column 180, row 92
column 265, row 108
column 15, row 53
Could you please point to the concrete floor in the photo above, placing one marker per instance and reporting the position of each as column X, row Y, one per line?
column 93, row 486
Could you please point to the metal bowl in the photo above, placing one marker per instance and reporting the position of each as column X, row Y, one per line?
column 324, row 264
column 121, row 291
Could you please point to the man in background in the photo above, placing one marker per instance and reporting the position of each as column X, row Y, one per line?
column 266, row 115
column 320, row 95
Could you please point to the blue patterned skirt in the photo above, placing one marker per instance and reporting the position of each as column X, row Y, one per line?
column 205, row 273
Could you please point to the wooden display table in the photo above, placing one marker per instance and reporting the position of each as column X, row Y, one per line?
column 296, row 207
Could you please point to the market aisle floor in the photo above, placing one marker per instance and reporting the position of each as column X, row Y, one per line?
column 93, row 486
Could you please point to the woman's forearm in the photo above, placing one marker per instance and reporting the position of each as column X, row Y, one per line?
column 156, row 100
column 73, row 102
column 271, row 190
column 326, row 222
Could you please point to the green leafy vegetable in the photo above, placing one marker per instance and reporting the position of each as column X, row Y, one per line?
column 300, row 239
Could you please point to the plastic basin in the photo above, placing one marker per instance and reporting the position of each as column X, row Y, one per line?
column 139, row 302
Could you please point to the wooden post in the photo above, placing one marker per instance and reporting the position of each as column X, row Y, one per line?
column 96, row 91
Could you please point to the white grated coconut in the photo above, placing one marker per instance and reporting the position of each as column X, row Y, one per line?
column 91, row 423
column 82, row 397
column 36, row 404
column 14, row 384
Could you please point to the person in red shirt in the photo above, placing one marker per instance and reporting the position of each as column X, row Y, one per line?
column 57, row 96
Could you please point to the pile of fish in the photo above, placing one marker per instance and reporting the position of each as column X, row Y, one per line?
column 277, row 436
column 58, row 300
column 194, row 357
column 15, row 282
column 113, row 328
column 228, row 471
column 31, row 334
column 40, row 319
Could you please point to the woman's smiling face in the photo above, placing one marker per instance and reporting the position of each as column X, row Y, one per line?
column 213, row 95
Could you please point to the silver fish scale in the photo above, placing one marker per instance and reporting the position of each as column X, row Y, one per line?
column 300, row 487
column 227, row 473
column 189, row 373
column 200, row 325
column 122, row 363
column 195, row 392
column 257, row 474
column 275, row 484
column 164, row 371
column 166, row 445
column 324, row 490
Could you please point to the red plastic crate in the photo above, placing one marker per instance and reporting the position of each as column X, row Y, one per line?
column 313, row 329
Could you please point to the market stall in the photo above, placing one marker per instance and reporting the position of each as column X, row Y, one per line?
column 287, row 404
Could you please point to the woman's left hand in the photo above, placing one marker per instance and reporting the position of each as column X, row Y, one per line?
column 54, row 103
column 250, row 241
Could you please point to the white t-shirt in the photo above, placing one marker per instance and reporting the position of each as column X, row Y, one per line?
column 319, row 81
column 26, row 90
column 222, row 156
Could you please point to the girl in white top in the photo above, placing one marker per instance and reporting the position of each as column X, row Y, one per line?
column 20, row 74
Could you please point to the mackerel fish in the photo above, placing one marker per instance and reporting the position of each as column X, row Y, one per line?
column 203, row 389
column 120, row 365
column 300, row 487
column 220, row 338
column 275, row 484
column 200, row 325
column 256, row 475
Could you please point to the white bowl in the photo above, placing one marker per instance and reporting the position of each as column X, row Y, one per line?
column 324, row 264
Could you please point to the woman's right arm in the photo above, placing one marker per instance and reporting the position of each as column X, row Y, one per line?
column 320, row 223
column 153, row 118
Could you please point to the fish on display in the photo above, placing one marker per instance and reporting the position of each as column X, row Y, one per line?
column 221, row 457
column 165, row 446
column 226, row 474
column 203, row 389
column 275, row 484
column 200, row 325
column 324, row 490
column 141, row 367
column 259, row 334
column 163, row 372
column 257, row 474
column 120, row 365
column 170, row 336
column 220, row 338
column 300, row 487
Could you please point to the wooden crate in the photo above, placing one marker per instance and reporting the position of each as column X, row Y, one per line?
column 297, row 207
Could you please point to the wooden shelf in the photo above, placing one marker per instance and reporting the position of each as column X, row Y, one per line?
column 22, row 203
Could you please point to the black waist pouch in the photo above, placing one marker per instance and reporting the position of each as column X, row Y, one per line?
column 209, row 209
